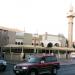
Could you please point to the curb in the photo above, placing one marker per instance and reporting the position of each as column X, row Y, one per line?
column 66, row 65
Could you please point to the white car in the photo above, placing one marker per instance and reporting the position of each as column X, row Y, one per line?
column 72, row 55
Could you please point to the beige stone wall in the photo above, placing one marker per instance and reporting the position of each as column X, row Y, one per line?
column 27, row 39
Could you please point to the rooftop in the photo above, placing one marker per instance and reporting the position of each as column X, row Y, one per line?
column 10, row 29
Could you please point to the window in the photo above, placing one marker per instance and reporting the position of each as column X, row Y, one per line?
column 16, row 43
column 16, row 50
column 57, row 44
column 34, row 60
column 42, row 44
column 21, row 43
column 50, row 45
column 51, row 59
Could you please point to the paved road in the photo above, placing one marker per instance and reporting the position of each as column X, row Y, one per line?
column 67, row 70
column 8, row 71
column 64, row 70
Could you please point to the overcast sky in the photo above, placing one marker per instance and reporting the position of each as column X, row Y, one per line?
column 36, row 16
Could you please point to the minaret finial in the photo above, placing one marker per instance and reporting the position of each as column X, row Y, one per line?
column 71, row 6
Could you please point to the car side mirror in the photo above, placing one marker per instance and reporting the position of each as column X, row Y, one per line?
column 42, row 61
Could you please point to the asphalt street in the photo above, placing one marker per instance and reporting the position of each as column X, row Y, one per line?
column 64, row 70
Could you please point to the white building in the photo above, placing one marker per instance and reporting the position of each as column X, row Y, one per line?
column 55, row 40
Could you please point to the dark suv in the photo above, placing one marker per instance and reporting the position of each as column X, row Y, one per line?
column 38, row 64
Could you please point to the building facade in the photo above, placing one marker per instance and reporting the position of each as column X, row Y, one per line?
column 12, row 37
column 55, row 40
column 23, row 38
column 36, row 40
column 7, row 36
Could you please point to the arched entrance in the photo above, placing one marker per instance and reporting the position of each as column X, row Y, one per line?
column 50, row 44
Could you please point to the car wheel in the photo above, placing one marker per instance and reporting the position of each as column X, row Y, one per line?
column 4, row 68
column 33, row 72
column 54, row 72
column 17, row 74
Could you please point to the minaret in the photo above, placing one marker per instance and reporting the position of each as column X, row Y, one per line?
column 70, row 17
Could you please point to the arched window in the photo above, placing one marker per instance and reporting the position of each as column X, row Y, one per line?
column 32, row 44
column 50, row 45
column 42, row 44
column 21, row 43
column 37, row 44
column 18, row 43
column 56, row 44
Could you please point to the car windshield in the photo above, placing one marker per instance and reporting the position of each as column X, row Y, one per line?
column 34, row 60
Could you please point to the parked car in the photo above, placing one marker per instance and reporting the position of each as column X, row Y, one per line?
column 38, row 64
column 72, row 55
column 3, row 64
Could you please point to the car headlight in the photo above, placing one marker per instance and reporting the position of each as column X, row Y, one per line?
column 24, row 67
column 4, row 62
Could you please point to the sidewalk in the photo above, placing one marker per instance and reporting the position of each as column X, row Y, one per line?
column 67, row 62
column 13, row 62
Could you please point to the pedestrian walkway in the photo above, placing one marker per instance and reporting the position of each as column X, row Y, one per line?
column 13, row 62
column 67, row 61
